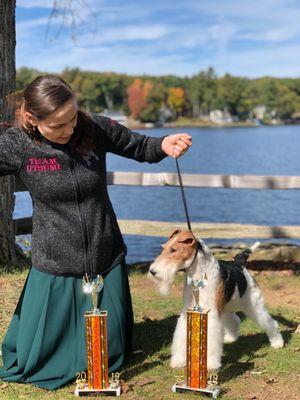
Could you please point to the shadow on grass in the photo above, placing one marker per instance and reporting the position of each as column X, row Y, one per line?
column 245, row 346
column 282, row 320
column 278, row 317
column 248, row 346
column 152, row 337
column 140, row 267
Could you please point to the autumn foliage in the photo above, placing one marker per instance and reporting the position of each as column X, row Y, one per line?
column 176, row 99
column 137, row 94
column 165, row 98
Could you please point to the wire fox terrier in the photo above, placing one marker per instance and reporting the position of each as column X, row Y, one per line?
column 230, row 288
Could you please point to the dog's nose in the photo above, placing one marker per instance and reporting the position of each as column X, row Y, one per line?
column 152, row 272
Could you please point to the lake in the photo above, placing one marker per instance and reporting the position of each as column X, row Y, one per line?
column 264, row 150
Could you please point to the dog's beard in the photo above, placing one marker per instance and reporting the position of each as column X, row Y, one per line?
column 164, row 277
column 164, row 287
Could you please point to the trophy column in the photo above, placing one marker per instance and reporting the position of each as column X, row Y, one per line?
column 196, row 356
column 196, row 348
column 95, row 381
column 96, row 349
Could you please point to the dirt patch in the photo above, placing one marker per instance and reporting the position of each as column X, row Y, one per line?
column 280, row 288
column 262, row 387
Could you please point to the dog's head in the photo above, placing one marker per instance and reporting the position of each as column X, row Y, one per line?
column 178, row 254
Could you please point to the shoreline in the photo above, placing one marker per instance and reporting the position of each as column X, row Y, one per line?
column 201, row 124
column 189, row 123
column 269, row 256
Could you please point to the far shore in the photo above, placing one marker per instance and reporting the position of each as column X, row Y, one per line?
column 197, row 123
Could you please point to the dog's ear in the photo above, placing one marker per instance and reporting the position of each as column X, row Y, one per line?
column 175, row 233
column 189, row 241
column 187, row 238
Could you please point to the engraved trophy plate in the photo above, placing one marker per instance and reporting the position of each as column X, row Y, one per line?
column 96, row 381
column 196, row 348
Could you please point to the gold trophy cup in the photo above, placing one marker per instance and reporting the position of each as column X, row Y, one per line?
column 196, row 348
column 95, row 381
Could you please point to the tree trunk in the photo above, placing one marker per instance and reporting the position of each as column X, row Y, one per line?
column 109, row 101
column 7, row 85
column 196, row 109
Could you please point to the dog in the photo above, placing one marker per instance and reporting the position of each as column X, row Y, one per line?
column 229, row 288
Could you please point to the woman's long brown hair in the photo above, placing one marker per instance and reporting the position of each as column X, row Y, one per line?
column 44, row 95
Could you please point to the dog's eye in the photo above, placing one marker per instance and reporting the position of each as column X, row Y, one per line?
column 172, row 250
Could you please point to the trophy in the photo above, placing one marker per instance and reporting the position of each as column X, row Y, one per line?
column 196, row 348
column 96, row 381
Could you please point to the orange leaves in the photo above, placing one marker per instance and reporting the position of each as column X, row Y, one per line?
column 141, row 96
column 138, row 93
column 176, row 99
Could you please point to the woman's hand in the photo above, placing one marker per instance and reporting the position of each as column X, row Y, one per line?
column 176, row 145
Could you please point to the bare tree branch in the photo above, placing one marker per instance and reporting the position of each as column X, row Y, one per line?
column 68, row 14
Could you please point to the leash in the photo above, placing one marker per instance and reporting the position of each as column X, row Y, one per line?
column 183, row 197
column 186, row 213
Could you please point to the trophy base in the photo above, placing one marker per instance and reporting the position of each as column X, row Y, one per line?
column 212, row 391
column 116, row 391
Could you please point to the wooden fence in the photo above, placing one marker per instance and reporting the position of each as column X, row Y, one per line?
column 205, row 230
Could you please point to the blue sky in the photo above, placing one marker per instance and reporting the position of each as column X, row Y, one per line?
column 157, row 37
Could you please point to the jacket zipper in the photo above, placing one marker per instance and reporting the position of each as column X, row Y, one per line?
column 78, row 195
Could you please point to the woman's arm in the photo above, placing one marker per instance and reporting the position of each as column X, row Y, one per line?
column 11, row 152
column 122, row 141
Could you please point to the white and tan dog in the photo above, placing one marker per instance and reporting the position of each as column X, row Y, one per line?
column 230, row 288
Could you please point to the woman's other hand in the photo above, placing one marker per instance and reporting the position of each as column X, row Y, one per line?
column 176, row 145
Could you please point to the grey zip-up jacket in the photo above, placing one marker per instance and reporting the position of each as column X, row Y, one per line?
column 75, row 229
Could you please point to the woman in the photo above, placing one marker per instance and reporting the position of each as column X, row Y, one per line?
column 59, row 154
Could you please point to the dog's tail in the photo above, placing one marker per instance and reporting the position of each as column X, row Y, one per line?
column 241, row 259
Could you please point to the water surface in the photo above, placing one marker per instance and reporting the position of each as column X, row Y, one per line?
column 261, row 151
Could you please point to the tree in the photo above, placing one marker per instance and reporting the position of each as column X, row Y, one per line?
column 287, row 102
column 136, row 98
column 25, row 76
column 201, row 90
column 112, row 88
column 155, row 95
column 231, row 94
column 176, row 100
column 7, row 86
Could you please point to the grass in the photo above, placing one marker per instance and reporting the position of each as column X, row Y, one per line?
column 251, row 368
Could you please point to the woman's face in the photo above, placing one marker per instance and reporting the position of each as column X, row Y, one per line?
column 58, row 127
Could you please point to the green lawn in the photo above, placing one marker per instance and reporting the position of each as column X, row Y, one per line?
column 251, row 368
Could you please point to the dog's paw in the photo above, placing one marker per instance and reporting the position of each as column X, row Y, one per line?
column 230, row 338
column 213, row 364
column 177, row 363
column 277, row 342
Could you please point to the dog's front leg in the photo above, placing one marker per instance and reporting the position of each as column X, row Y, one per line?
column 178, row 349
column 215, row 335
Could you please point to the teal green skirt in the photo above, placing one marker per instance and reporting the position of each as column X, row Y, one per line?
column 45, row 341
